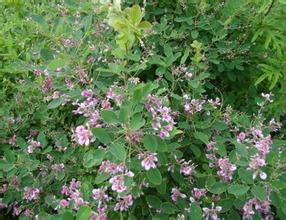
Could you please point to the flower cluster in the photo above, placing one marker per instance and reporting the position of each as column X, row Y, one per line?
column 148, row 160
column 193, row 106
column 33, row 145
column 226, row 169
column 176, row 193
column 118, row 172
column 163, row 120
column 31, row 193
column 72, row 191
column 262, row 207
column 82, row 135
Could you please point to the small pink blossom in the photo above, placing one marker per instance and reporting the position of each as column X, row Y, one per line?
column 100, row 195
column 82, row 135
column 87, row 93
column 31, row 193
column 58, row 167
column 118, row 183
column 176, row 193
column 149, row 161
column 64, row 203
column 240, row 137
column 124, row 203
column 198, row 193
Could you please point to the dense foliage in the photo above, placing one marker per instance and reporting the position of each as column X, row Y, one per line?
column 142, row 109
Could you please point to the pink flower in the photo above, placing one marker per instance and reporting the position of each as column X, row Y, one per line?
column 226, row 169
column 58, row 167
column 240, row 137
column 124, row 203
column 198, row 193
column 64, row 203
column 118, row 183
column 82, row 135
column 100, row 195
column 176, row 193
column 212, row 213
column 112, row 168
column 87, row 93
column 187, row 169
column 100, row 215
column 33, row 145
column 110, row 94
column 47, row 84
column 149, row 161
column 12, row 140
column 31, row 193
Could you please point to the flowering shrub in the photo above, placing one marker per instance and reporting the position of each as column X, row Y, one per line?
column 122, row 133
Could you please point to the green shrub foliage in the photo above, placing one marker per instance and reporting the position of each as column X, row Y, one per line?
column 142, row 109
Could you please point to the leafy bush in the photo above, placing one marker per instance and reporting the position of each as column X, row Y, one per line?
column 119, row 111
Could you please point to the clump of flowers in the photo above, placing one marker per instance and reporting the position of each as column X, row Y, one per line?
column 226, row 169
column 163, row 121
column 149, row 160
column 31, row 193
column 82, row 135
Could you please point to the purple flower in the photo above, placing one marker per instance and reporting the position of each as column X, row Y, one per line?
column 240, row 137
column 33, row 145
column 124, row 203
column 118, row 183
column 149, row 161
column 12, row 140
column 198, row 193
column 58, row 167
column 82, row 135
column 176, row 193
column 162, row 116
column 31, row 193
column 226, row 169
column 47, row 84
column 100, row 215
column 187, row 168
column 87, row 93
column 112, row 168
column 64, row 203
column 212, row 213
column 100, row 195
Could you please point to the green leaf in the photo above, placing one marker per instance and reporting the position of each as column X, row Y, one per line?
column 185, row 56
column 83, row 213
column 218, row 188
column 101, row 178
column 154, row 176
column 109, row 116
column 145, row 25
column 238, row 189
column 150, row 143
column 153, row 201
column 123, row 114
column 134, row 14
column 42, row 139
column 137, row 122
column 93, row 158
column 168, row 208
column 194, row 34
column 55, row 103
column 241, row 150
column 102, row 135
column 196, row 212
column 202, row 137
column 67, row 216
column 245, row 176
column 259, row 192
column 118, row 150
